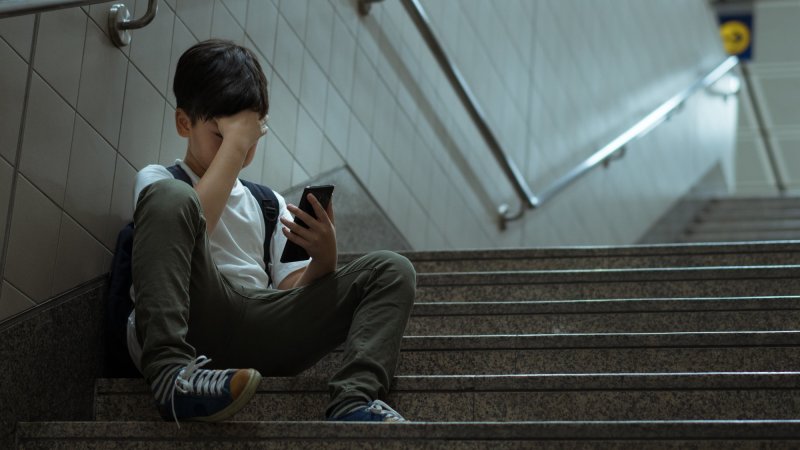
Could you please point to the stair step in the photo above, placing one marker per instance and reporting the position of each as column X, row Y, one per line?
column 754, row 351
column 650, row 396
column 755, row 203
column 745, row 226
column 740, row 236
column 421, row 435
column 637, row 256
column 611, row 316
column 609, row 283
column 748, row 214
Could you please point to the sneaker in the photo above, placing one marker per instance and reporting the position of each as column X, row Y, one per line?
column 192, row 393
column 377, row 411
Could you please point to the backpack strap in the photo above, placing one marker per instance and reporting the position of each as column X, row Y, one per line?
column 269, row 208
column 179, row 174
column 266, row 200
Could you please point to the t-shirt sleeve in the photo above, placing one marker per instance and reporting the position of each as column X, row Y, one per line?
column 281, row 270
column 146, row 177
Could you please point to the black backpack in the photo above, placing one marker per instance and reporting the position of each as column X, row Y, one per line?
column 118, row 300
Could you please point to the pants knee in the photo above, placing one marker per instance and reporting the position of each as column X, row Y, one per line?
column 169, row 196
column 400, row 268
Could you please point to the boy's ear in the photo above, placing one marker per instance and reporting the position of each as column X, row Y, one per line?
column 182, row 122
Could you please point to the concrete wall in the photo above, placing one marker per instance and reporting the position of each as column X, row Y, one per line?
column 557, row 79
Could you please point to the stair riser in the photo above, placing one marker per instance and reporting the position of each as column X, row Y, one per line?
column 584, row 360
column 506, row 406
column 416, row 435
column 603, row 323
column 741, row 237
column 600, row 290
column 399, row 444
column 477, row 265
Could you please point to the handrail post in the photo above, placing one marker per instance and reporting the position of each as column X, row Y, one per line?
column 120, row 23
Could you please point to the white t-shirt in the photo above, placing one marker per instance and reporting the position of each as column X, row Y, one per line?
column 236, row 244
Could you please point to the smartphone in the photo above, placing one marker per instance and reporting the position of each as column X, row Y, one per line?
column 293, row 252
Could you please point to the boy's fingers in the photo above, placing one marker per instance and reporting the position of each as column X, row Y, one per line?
column 322, row 215
column 294, row 237
column 294, row 228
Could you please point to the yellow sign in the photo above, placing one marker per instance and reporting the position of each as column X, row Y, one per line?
column 735, row 36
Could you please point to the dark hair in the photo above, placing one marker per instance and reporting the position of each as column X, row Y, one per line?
column 217, row 78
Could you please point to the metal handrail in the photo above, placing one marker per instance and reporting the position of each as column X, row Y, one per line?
column 640, row 129
column 612, row 150
column 470, row 102
column 119, row 18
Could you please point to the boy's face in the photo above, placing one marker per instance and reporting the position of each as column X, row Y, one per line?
column 204, row 142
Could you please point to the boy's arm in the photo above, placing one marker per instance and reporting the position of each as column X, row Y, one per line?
column 240, row 133
column 319, row 240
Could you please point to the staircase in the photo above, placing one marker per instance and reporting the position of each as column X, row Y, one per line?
column 661, row 346
column 745, row 219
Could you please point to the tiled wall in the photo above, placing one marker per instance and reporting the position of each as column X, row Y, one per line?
column 775, row 75
column 557, row 79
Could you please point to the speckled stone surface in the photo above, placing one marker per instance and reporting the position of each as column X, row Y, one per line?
column 610, row 283
column 608, row 315
column 499, row 323
column 50, row 357
column 739, row 236
column 638, row 256
column 566, row 435
column 591, row 353
column 514, row 398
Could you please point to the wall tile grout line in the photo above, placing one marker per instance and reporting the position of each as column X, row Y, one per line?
column 18, row 162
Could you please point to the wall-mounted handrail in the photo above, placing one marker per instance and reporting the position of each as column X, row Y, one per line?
column 119, row 21
column 640, row 129
column 470, row 102
column 612, row 150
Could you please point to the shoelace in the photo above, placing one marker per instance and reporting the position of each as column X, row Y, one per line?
column 204, row 382
column 381, row 408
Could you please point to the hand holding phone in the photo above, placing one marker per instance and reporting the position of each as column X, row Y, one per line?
column 292, row 251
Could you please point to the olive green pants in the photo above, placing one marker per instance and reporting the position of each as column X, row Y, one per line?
column 185, row 307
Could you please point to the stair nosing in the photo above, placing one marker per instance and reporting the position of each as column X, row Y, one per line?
column 569, row 430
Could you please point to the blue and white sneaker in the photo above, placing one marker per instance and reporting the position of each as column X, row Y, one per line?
column 195, row 394
column 377, row 411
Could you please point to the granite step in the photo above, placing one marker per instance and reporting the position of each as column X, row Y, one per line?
column 755, row 203
column 635, row 256
column 609, row 283
column 741, row 226
column 740, row 236
column 504, row 398
column 751, row 351
column 745, row 215
column 638, row 434
column 610, row 316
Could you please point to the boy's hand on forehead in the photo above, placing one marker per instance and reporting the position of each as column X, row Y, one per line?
column 243, row 129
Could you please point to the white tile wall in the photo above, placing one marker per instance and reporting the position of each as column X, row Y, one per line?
column 61, row 33
column 142, row 120
column 80, row 257
column 102, row 86
column 13, row 78
column 18, row 32
column 148, row 52
column 90, row 181
column 47, row 140
column 13, row 301
column 555, row 78
column 6, row 180
column 32, row 246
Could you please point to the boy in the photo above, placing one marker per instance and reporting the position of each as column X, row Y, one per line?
column 200, row 283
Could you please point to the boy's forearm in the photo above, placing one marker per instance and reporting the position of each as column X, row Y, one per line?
column 216, row 184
